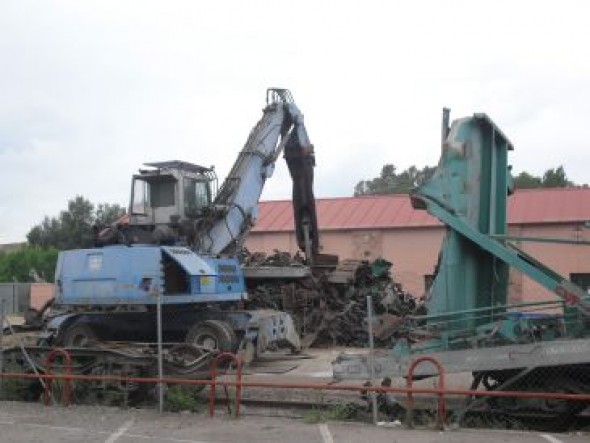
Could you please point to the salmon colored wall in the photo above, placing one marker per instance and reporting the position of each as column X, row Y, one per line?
column 562, row 258
column 414, row 252
column 40, row 293
column 267, row 242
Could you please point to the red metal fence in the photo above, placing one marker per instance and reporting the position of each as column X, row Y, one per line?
column 441, row 392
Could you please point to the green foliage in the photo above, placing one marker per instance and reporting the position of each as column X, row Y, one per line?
column 556, row 178
column 390, row 182
column 183, row 398
column 524, row 180
column 107, row 214
column 72, row 229
column 552, row 178
column 28, row 264
column 335, row 412
column 19, row 389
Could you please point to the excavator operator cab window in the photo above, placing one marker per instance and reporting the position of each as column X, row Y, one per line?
column 196, row 196
column 154, row 193
column 162, row 193
column 140, row 197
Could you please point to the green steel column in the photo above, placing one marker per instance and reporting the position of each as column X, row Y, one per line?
column 470, row 182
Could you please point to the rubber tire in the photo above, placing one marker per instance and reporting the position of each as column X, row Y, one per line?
column 213, row 330
column 77, row 336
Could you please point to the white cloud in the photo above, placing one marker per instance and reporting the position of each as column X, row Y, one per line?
column 90, row 90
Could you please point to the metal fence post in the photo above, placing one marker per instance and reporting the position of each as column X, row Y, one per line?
column 372, row 355
column 2, row 347
column 14, row 299
column 160, row 356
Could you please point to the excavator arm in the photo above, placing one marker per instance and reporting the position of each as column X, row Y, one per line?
column 281, row 129
column 300, row 158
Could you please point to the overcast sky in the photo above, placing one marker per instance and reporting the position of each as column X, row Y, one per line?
column 89, row 90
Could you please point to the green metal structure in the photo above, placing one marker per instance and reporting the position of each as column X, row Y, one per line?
column 467, row 303
column 470, row 326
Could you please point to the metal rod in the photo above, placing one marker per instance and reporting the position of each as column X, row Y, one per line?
column 557, row 301
column 372, row 355
column 25, row 353
column 441, row 384
column 2, row 347
column 319, row 386
column 542, row 239
column 160, row 356
column 67, row 387
column 238, row 361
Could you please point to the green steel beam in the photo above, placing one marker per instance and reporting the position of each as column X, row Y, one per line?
column 546, row 277
column 569, row 241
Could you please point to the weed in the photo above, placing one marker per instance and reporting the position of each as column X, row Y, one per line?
column 19, row 389
column 335, row 412
column 183, row 398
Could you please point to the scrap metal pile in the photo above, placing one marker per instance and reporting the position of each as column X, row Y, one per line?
column 330, row 306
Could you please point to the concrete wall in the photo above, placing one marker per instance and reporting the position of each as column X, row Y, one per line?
column 18, row 297
column 414, row 252
column 14, row 296
column 11, row 247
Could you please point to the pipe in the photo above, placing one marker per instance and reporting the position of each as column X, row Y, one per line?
column 441, row 382
column 67, row 389
column 213, row 382
column 318, row 386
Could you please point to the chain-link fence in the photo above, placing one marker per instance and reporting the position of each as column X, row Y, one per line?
column 141, row 347
column 548, row 395
column 16, row 297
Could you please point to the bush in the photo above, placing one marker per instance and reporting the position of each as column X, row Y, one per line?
column 183, row 398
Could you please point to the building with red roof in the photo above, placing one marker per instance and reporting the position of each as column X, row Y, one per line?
column 387, row 226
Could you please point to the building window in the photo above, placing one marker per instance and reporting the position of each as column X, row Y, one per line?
column 582, row 280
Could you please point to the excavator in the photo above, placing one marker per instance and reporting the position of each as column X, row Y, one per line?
column 178, row 249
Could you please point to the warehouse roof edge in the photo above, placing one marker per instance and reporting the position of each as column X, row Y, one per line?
column 525, row 206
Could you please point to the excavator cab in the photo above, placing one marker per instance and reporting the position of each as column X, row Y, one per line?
column 173, row 192
column 166, row 205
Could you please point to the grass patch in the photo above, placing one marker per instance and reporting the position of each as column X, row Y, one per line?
column 335, row 412
column 183, row 398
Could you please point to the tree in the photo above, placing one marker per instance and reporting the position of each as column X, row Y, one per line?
column 28, row 264
column 389, row 182
column 556, row 178
column 552, row 178
column 72, row 229
column 524, row 180
column 107, row 214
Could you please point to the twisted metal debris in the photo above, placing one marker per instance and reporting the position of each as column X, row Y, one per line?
column 330, row 306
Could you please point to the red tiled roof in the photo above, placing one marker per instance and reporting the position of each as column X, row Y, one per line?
column 527, row 206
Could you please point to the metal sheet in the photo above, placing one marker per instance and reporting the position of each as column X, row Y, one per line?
column 554, row 353
column 276, row 272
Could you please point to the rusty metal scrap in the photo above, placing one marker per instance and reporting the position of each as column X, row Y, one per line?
column 330, row 307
